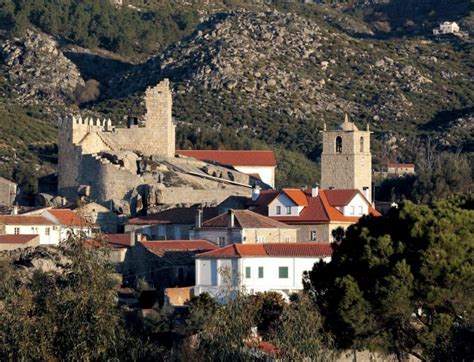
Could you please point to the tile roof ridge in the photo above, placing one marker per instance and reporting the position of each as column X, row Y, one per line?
column 324, row 202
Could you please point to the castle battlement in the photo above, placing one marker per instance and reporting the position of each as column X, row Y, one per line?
column 89, row 124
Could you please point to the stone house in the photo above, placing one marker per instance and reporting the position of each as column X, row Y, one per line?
column 243, row 226
column 97, row 214
column 314, row 212
column 8, row 190
column 257, row 268
column 171, row 224
column 11, row 242
column 163, row 264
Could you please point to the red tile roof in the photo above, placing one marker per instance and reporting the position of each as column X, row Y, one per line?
column 297, row 196
column 117, row 240
column 320, row 209
column 275, row 250
column 233, row 157
column 24, row 220
column 160, row 247
column 68, row 218
column 17, row 238
column 177, row 215
column 244, row 219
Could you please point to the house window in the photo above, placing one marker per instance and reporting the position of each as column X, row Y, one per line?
column 288, row 210
column 278, row 211
column 312, row 235
column 260, row 239
column 260, row 272
column 283, row 272
column 361, row 211
column 16, row 231
column 362, row 144
column 352, row 210
column 247, row 272
column 338, row 144
column 221, row 240
column 287, row 239
column 46, row 231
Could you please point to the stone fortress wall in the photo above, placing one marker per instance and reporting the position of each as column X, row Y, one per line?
column 88, row 148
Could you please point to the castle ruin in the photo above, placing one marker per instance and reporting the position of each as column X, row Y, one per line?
column 137, row 164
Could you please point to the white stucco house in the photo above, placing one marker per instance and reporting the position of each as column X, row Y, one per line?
column 447, row 27
column 256, row 268
column 49, row 232
column 256, row 163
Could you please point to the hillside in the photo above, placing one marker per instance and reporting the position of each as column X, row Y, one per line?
column 245, row 76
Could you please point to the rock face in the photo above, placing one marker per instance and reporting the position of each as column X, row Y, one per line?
column 39, row 71
column 289, row 65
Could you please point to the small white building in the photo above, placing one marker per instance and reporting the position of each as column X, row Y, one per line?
column 49, row 232
column 256, row 163
column 257, row 268
column 447, row 27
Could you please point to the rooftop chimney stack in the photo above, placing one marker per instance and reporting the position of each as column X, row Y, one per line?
column 198, row 218
column 15, row 210
column 255, row 192
column 315, row 190
column 231, row 218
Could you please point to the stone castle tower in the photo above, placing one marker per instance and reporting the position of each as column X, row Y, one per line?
column 79, row 139
column 346, row 161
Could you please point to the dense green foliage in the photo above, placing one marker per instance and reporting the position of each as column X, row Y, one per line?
column 97, row 23
column 69, row 314
column 403, row 283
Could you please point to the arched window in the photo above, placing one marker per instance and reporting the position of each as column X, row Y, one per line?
column 338, row 144
column 362, row 144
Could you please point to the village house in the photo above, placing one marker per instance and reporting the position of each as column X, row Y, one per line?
column 243, row 226
column 163, row 264
column 11, row 242
column 257, row 268
column 171, row 224
column 69, row 222
column 49, row 231
column 447, row 27
column 97, row 214
column 314, row 212
column 258, row 164
column 8, row 190
column 400, row 169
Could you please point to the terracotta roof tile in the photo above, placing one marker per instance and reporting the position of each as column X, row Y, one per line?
column 404, row 165
column 17, row 239
column 297, row 196
column 25, row 220
column 271, row 250
column 160, row 247
column 117, row 240
column 233, row 157
column 177, row 215
column 244, row 219
column 68, row 218
column 340, row 197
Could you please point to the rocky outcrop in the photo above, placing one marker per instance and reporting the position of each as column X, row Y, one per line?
column 38, row 70
column 301, row 69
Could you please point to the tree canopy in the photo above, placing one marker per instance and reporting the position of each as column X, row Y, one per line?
column 403, row 283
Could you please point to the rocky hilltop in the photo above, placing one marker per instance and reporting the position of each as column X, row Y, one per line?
column 38, row 70
column 300, row 71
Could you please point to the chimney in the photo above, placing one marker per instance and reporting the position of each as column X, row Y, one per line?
column 198, row 218
column 15, row 210
column 315, row 191
column 231, row 219
column 255, row 192
column 366, row 192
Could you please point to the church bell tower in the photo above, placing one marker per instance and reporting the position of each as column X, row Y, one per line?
column 346, row 161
